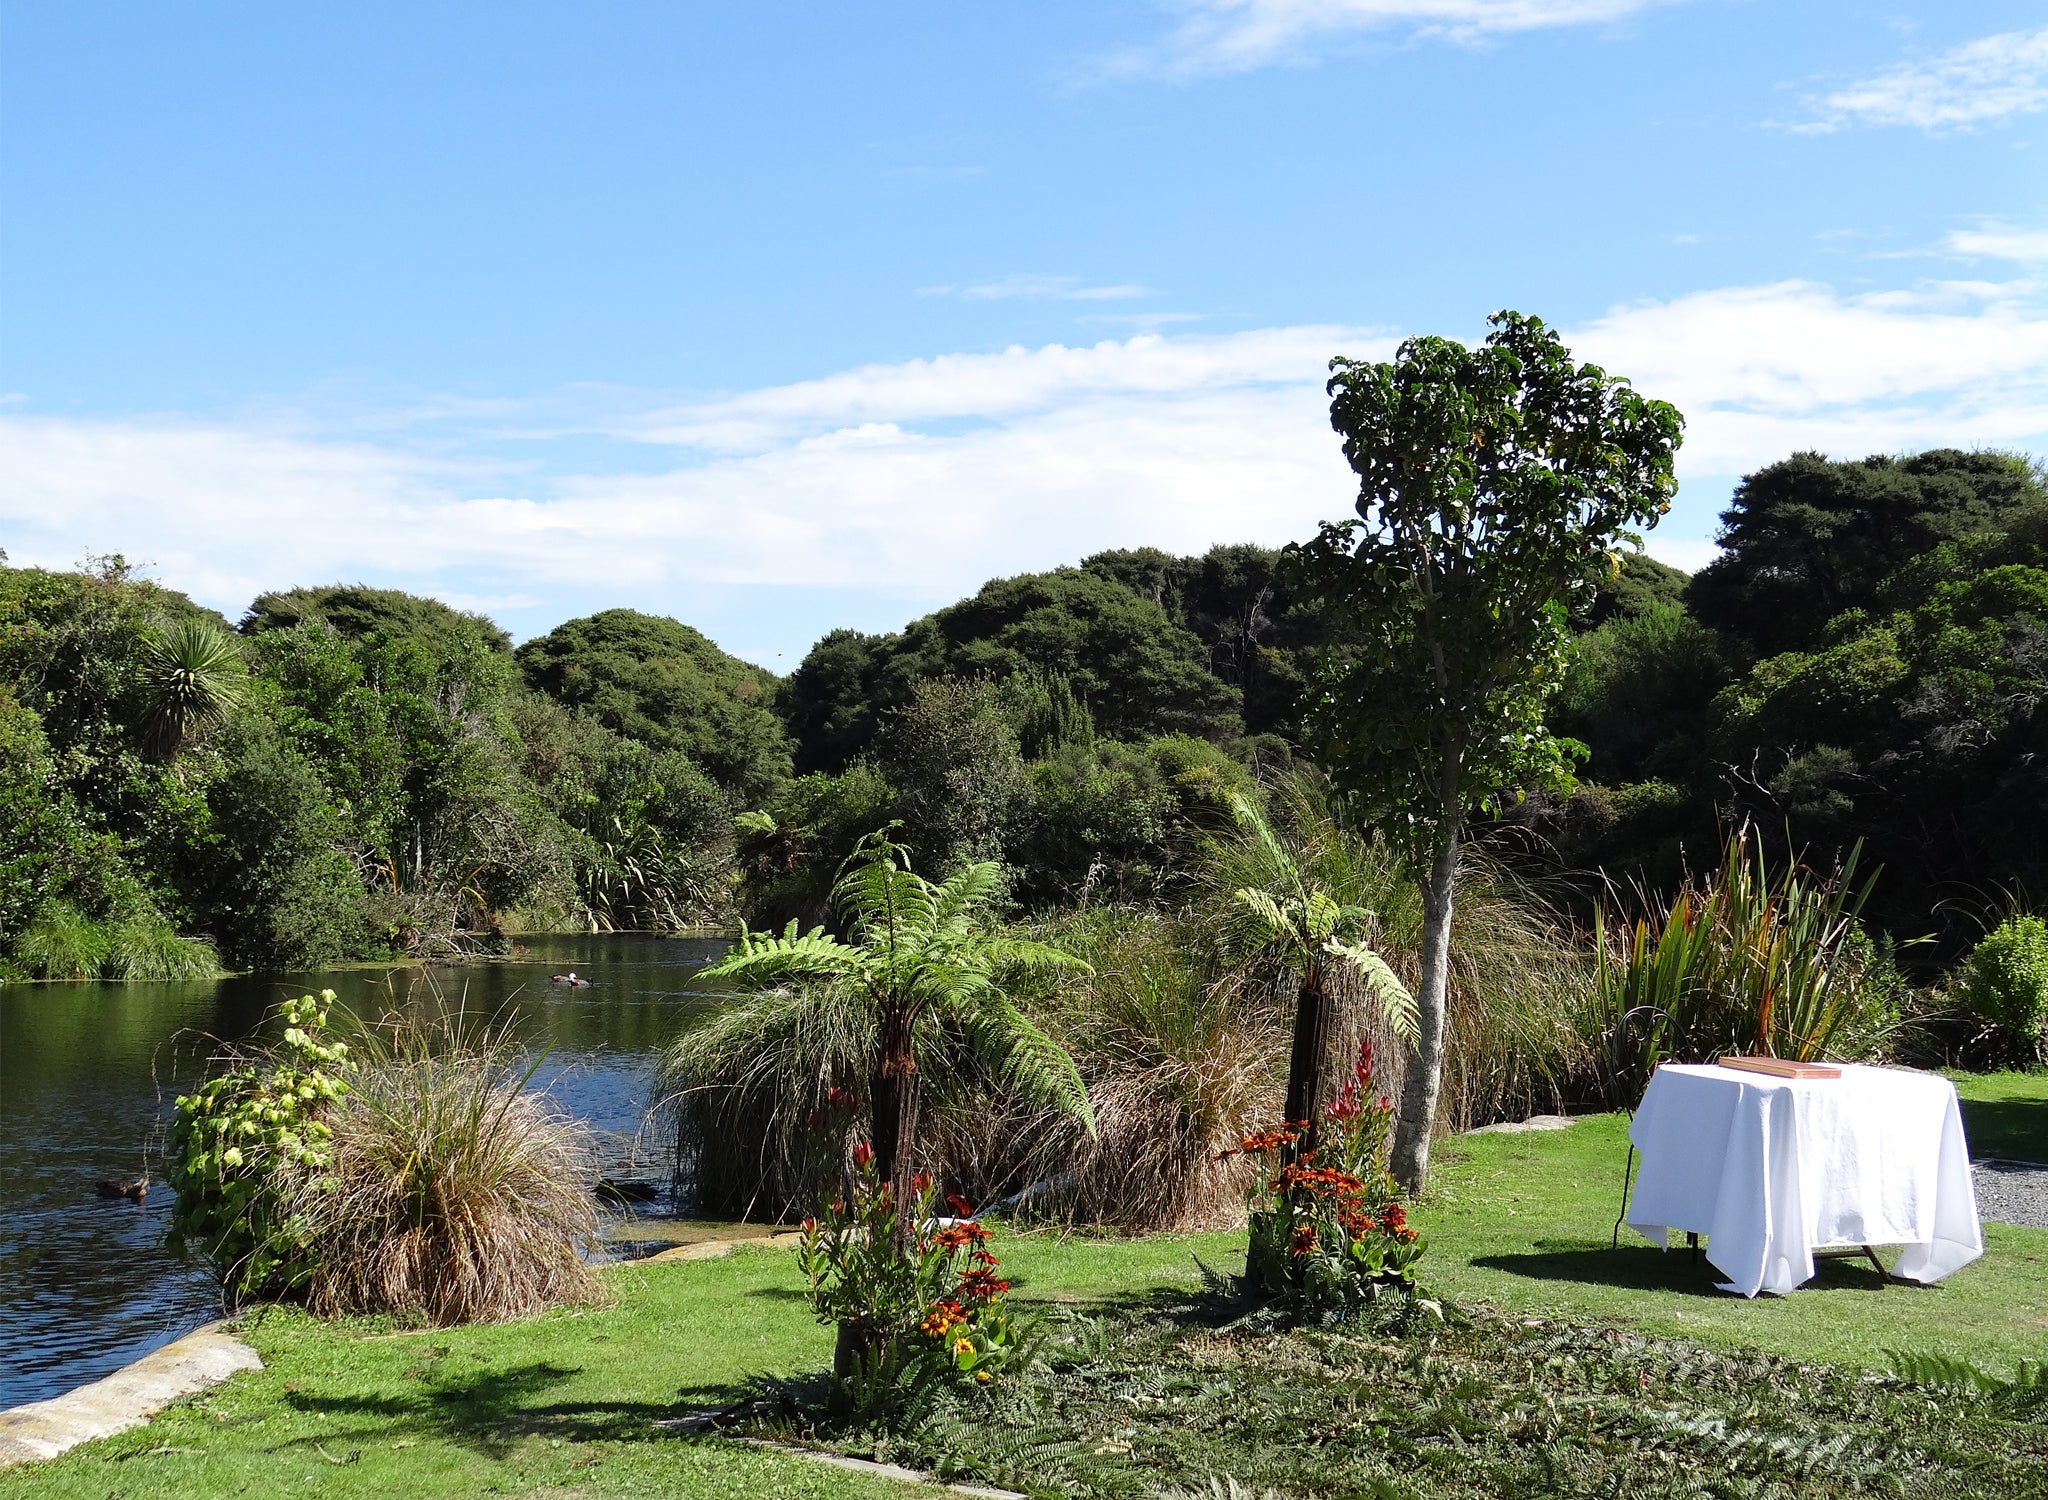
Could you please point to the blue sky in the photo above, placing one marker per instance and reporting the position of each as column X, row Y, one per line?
column 776, row 318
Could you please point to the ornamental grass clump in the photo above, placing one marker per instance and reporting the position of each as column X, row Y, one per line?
column 454, row 1191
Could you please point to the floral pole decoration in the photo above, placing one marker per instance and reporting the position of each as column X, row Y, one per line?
column 939, row 1301
column 1327, row 1229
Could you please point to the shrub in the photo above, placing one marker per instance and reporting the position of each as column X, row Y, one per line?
column 61, row 942
column 1327, row 1234
column 1745, row 961
column 454, row 1192
column 909, row 1308
column 2005, row 984
column 248, row 1140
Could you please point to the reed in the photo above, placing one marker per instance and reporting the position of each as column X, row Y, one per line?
column 61, row 942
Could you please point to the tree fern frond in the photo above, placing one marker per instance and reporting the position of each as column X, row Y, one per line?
column 759, row 958
column 1028, row 1064
column 1397, row 1006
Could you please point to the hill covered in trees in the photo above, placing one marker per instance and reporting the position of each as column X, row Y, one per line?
column 348, row 771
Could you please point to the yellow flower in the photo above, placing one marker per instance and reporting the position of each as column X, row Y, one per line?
column 964, row 1346
column 981, row 1377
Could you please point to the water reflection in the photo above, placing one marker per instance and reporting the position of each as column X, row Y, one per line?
column 88, row 1073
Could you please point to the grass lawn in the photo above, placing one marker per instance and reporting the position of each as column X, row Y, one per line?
column 2006, row 1114
column 564, row 1405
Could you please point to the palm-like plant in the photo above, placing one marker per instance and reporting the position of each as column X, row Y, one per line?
column 191, row 679
column 1289, row 919
column 922, row 954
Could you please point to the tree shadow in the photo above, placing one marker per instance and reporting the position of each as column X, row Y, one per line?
column 1645, row 1268
column 779, row 1293
column 486, row 1411
column 2012, row 1129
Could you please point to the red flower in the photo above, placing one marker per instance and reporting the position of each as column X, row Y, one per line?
column 810, row 1226
column 863, row 1153
column 960, row 1205
column 921, row 1183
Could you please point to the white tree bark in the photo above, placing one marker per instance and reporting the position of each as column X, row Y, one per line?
column 1409, row 1157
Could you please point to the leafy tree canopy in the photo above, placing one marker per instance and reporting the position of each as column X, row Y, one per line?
column 657, row 680
column 1138, row 672
column 355, row 610
column 1807, row 538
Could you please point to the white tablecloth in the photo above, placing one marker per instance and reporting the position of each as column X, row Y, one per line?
column 1772, row 1169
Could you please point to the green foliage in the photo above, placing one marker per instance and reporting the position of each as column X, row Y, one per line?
column 657, row 681
column 2005, row 984
column 144, row 945
column 191, row 677
column 1137, row 672
column 934, row 1306
column 61, row 942
column 1494, row 485
column 244, row 1140
column 1744, row 962
column 951, row 754
column 790, row 853
column 1806, row 539
column 357, row 611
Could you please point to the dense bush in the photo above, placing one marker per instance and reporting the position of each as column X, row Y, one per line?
column 2005, row 985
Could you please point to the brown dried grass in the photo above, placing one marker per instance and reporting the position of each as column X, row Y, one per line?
column 457, row 1193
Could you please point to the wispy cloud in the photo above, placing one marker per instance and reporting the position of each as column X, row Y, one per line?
column 925, row 477
column 1989, row 79
column 1234, row 36
column 1993, row 241
column 1055, row 288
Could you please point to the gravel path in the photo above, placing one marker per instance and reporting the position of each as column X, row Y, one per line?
column 2012, row 1192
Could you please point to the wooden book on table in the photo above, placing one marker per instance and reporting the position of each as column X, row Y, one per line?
column 1779, row 1067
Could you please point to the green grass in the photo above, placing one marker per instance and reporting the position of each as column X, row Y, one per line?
column 565, row 1405
column 2005, row 1114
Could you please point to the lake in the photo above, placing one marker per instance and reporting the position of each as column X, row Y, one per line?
column 88, row 1073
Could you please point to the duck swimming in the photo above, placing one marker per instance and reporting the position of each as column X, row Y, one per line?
column 570, row 980
column 134, row 1189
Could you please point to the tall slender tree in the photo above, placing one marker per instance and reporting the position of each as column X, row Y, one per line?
column 1495, row 485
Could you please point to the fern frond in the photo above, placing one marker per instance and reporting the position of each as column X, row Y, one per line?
column 759, row 958
column 1028, row 1064
column 1397, row 1006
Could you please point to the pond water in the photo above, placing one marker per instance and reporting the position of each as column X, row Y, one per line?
column 88, row 1073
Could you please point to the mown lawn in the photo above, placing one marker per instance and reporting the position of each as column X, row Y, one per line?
column 566, row 1405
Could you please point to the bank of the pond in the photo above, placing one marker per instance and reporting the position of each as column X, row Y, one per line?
column 88, row 1072
column 569, row 1403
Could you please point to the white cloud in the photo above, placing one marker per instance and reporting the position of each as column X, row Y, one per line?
column 1993, row 241
column 1988, row 79
column 1231, row 36
column 925, row 477
column 1057, row 288
column 1763, row 371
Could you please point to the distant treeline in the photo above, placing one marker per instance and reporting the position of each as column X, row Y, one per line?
column 354, row 772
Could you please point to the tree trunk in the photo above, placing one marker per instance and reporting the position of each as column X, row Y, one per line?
column 1409, row 1159
column 894, row 1102
column 1308, row 1064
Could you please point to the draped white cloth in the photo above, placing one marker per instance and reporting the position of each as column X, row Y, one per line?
column 1772, row 1169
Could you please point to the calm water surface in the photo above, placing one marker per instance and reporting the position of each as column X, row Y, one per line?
column 88, row 1073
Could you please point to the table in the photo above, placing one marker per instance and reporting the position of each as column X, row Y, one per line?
column 1772, row 1170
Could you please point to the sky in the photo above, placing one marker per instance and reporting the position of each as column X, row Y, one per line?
column 777, row 318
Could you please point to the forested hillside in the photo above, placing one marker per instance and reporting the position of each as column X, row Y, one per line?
column 355, row 772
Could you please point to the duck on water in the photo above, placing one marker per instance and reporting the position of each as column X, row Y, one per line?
column 570, row 980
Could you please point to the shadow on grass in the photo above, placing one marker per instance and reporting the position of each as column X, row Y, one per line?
column 2015, row 1129
column 489, row 1411
column 1645, row 1268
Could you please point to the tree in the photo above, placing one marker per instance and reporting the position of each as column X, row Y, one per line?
column 1494, row 485
column 191, row 678
column 1291, row 918
column 1807, row 538
column 920, row 955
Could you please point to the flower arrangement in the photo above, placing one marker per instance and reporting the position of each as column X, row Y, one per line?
column 1327, row 1230
column 936, row 1305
